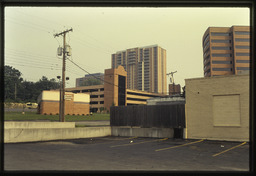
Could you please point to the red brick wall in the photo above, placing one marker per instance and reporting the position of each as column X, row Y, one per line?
column 70, row 108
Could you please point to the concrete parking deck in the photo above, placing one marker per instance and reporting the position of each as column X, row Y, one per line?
column 128, row 154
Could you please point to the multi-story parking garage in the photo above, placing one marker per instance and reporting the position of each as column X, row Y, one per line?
column 113, row 92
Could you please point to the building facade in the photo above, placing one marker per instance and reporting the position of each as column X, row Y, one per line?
column 217, row 108
column 226, row 50
column 174, row 89
column 114, row 92
column 98, row 76
column 75, row 103
column 145, row 66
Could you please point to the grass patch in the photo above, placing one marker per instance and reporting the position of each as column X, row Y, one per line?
column 18, row 116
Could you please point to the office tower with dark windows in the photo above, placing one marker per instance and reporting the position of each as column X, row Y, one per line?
column 99, row 77
column 226, row 50
column 145, row 66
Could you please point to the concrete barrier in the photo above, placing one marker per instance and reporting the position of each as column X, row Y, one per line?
column 29, row 124
column 14, row 135
column 43, row 131
column 142, row 132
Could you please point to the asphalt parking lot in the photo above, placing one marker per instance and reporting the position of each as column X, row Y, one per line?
column 127, row 154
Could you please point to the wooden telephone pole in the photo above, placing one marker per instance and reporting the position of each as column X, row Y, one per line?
column 62, row 92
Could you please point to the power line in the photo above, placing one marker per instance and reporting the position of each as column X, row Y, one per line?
column 92, row 74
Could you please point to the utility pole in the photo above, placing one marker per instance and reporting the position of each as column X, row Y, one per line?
column 62, row 92
column 172, row 80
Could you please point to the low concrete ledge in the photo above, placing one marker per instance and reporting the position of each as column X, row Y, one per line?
column 143, row 132
column 36, row 134
column 29, row 124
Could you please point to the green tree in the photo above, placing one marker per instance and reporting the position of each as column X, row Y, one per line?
column 12, row 82
column 91, row 82
column 17, row 90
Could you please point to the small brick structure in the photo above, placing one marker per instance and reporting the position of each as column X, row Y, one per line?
column 75, row 103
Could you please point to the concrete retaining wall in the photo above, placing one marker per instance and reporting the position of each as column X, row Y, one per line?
column 43, row 131
column 143, row 132
column 12, row 125
column 43, row 134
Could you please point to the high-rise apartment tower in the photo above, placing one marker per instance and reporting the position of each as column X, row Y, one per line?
column 226, row 50
column 145, row 66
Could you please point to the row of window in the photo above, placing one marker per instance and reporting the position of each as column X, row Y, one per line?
column 230, row 69
column 221, row 55
column 227, row 62
column 229, row 55
column 221, row 48
column 221, row 69
column 92, row 90
column 96, row 102
column 221, row 62
column 229, row 41
column 242, row 54
column 220, row 34
column 97, row 96
column 242, row 47
column 229, row 34
column 242, row 61
column 221, row 41
column 242, row 32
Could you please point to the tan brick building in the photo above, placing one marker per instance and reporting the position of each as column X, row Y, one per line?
column 75, row 104
column 226, row 50
column 217, row 108
column 145, row 66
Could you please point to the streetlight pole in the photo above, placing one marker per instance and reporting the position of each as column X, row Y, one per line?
column 60, row 111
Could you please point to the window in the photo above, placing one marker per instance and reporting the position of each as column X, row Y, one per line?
column 242, row 68
column 242, row 40
column 101, row 96
column 220, row 34
column 221, row 55
column 206, row 38
column 242, row 32
column 221, row 62
column 93, row 102
column 207, row 44
column 242, row 61
column 242, row 47
column 101, row 102
column 221, row 48
column 222, row 69
column 242, row 54
column 93, row 96
column 221, row 41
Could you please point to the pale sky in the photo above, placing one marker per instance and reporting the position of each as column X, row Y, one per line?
column 99, row 32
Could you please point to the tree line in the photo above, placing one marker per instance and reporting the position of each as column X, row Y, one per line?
column 16, row 89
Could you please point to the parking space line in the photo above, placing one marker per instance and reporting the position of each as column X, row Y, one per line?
column 137, row 143
column 229, row 149
column 179, row 145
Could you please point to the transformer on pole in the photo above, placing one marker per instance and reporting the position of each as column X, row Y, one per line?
column 65, row 49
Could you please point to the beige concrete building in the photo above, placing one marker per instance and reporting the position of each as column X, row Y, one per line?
column 226, row 50
column 145, row 66
column 217, row 108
